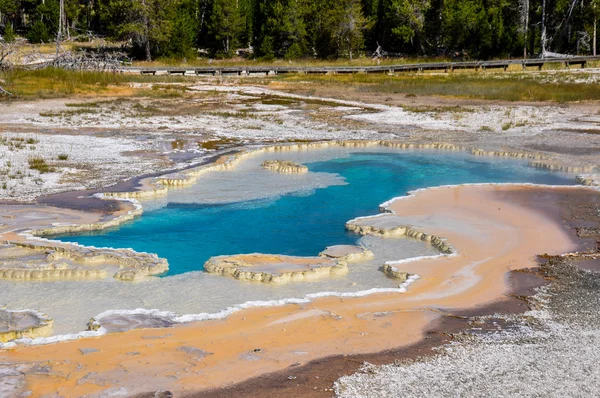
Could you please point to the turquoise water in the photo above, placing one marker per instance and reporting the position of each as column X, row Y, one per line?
column 303, row 223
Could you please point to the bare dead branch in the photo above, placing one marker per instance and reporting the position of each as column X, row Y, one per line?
column 87, row 61
column 4, row 92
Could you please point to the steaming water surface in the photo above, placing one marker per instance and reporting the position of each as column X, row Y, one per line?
column 254, row 210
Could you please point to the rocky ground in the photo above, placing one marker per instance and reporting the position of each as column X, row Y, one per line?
column 16, row 324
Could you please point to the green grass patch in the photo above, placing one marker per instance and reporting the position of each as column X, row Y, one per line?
column 40, row 165
column 147, row 110
column 503, row 86
column 74, row 112
column 436, row 109
column 274, row 100
column 271, row 99
column 511, row 86
column 58, row 83
column 82, row 104
column 159, row 93
column 302, row 62
column 241, row 114
column 218, row 143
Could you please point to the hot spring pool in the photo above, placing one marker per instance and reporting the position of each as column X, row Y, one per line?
column 251, row 210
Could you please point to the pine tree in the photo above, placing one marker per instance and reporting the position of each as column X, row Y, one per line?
column 9, row 35
column 595, row 14
column 321, row 28
column 285, row 31
column 346, row 25
column 401, row 23
column 182, row 37
column 226, row 24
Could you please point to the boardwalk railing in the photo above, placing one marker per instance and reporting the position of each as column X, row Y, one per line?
column 278, row 70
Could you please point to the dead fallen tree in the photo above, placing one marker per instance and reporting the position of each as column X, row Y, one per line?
column 4, row 92
column 90, row 61
column 86, row 61
column 6, row 49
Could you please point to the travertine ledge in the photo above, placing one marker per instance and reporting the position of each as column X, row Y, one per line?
column 392, row 272
column 389, row 225
column 386, row 225
column 284, row 166
column 50, row 262
column 20, row 324
column 347, row 253
column 277, row 269
column 591, row 180
column 552, row 166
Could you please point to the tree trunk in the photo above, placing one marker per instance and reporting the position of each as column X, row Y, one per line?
column 148, row 53
column 595, row 21
column 60, row 25
column 146, row 32
column 525, row 20
column 202, row 15
column 543, row 38
column 88, row 14
column 350, row 49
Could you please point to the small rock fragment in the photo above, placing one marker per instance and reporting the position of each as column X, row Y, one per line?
column 86, row 351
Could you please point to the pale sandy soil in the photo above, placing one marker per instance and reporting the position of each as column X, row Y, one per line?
column 492, row 235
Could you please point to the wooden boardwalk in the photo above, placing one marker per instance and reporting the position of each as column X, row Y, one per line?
column 390, row 69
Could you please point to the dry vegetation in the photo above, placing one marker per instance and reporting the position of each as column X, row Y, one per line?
column 57, row 83
column 475, row 85
column 237, row 61
column 545, row 86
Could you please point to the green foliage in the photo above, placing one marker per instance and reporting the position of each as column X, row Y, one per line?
column 226, row 24
column 481, row 30
column 266, row 51
column 40, row 165
column 182, row 36
column 38, row 33
column 292, row 29
column 9, row 6
column 337, row 28
column 402, row 21
column 155, row 28
column 513, row 87
column 9, row 34
column 284, row 33
column 295, row 51
column 347, row 25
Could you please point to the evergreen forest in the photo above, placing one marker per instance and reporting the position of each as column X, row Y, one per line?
column 318, row 29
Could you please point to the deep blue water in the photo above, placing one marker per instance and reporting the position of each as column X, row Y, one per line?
column 187, row 235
